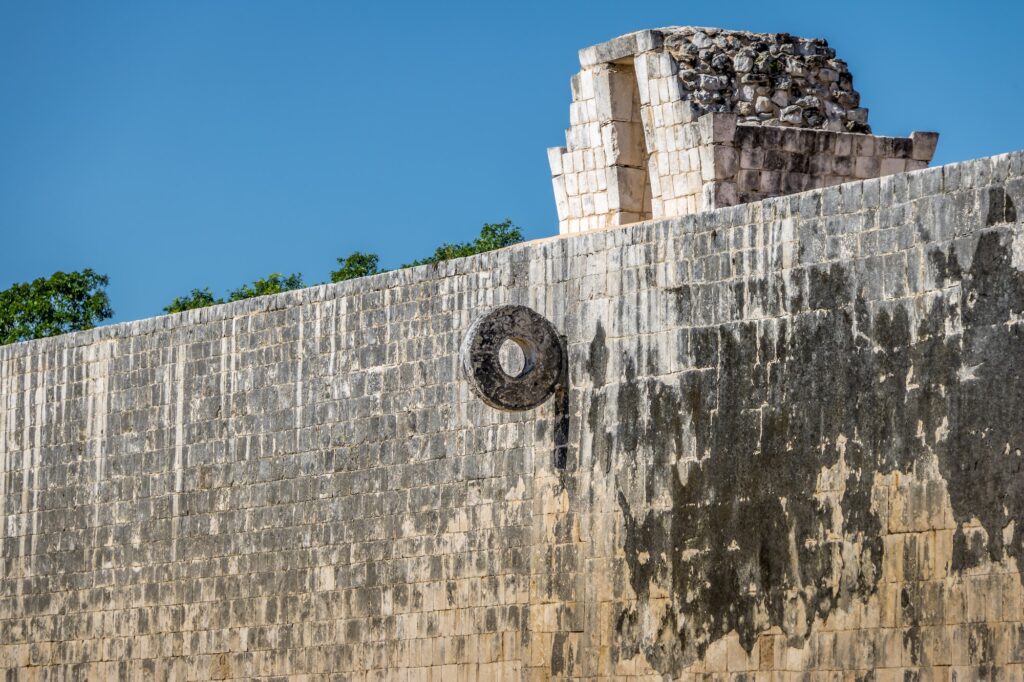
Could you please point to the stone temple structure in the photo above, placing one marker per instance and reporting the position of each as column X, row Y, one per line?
column 769, row 438
column 679, row 120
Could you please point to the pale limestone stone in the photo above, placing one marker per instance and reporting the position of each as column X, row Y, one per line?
column 717, row 128
column 642, row 67
column 555, row 159
column 863, row 145
column 572, row 186
column 567, row 163
column 623, row 144
column 866, row 167
column 844, row 145
column 890, row 166
column 613, row 93
column 561, row 199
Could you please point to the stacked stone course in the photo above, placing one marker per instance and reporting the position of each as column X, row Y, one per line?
column 793, row 452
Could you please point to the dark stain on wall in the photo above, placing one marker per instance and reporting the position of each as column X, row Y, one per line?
column 837, row 384
column 562, row 423
column 1000, row 207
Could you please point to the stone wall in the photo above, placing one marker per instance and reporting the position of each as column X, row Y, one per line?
column 638, row 143
column 742, row 163
column 791, row 441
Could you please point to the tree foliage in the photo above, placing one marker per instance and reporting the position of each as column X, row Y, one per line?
column 63, row 302
column 492, row 236
column 275, row 283
column 198, row 298
column 72, row 301
column 356, row 264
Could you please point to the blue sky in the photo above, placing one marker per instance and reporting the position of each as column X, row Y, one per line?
column 174, row 145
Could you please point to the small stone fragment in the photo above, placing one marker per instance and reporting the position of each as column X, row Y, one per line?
column 743, row 63
column 792, row 115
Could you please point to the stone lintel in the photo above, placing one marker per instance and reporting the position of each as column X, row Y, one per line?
column 620, row 48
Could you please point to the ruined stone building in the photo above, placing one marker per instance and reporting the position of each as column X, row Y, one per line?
column 682, row 120
column 755, row 414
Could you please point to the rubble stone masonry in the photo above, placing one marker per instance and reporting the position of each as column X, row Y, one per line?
column 790, row 443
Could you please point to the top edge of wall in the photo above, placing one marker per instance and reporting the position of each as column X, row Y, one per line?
column 985, row 171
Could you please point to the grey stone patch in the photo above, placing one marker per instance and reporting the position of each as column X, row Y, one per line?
column 542, row 365
column 1001, row 209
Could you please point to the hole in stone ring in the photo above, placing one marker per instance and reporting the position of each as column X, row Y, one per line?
column 517, row 357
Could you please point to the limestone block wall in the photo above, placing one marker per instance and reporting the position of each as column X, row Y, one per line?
column 748, row 163
column 635, row 149
column 790, row 447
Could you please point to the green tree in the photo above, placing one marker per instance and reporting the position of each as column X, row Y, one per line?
column 199, row 298
column 492, row 236
column 63, row 302
column 356, row 264
column 274, row 283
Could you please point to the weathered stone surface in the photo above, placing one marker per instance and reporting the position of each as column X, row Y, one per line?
column 655, row 90
column 790, row 447
column 543, row 361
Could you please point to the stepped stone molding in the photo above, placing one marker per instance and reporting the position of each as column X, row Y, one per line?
column 790, row 447
column 679, row 120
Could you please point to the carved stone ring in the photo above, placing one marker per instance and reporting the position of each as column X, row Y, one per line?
column 543, row 358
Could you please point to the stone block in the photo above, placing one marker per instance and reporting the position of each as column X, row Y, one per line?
column 748, row 181
column 683, row 112
column 613, row 94
column 718, row 162
column 582, row 85
column 820, row 165
column 798, row 141
column 642, row 68
column 843, row 167
column 751, row 158
column 572, row 186
column 718, row 195
column 890, row 166
column 626, row 189
column 620, row 48
column 844, row 145
column 623, row 144
column 923, row 145
column 863, row 145
column 866, row 167
column 771, row 183
column 555, row 159
column 569, row 163
column 717, row 128
column 561, row 197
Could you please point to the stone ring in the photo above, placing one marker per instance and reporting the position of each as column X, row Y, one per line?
column 543, row 358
